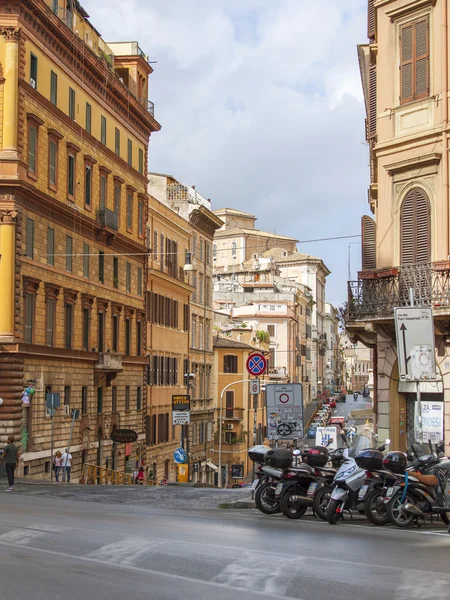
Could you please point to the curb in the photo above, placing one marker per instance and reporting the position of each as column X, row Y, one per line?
column 238, row 504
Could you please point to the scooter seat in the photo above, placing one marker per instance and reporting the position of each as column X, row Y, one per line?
column 303, row 469
column 430, row 480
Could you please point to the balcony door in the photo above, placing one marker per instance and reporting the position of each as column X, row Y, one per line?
column 415, row 248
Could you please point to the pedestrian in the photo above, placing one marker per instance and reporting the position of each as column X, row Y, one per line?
column 57, row 465
column 10, row 458
column 66, row 465
column 140, row 476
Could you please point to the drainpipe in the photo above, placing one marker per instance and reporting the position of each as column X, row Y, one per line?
column 445, row 173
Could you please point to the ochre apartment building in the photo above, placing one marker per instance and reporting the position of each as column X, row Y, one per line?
column 406, row 242
column 75, row 122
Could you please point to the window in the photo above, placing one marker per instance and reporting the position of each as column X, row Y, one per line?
column 30, row 239
column 233, row 249
column 271, row 330
column 51, row 246
column 85, row 260
column 141, row 161
column 88, row 185
column 71, row 175
column 128, row 281
column 84, row 400
column 101, row 332
column 214, row 252
column 139, row 338
column 139, row 281
column 101, row 267
column 128, row 336
column 52, row 163
column 30, row 305
column 117, row 199
column 161, row 251
column 130, row 153
column 33, row 70
column 72, row 104
column 103, row 131
column 88, row 117
column 141, row 219
column 114, row 398
column 415, row 236
column 32, row 149
column 86, row 328
column 117, row 142
column 414, row 62
column 230, row 363
column 155, row 245
column 200, row 290
column 102, row 191
column 68, row 325
column 194, row 332
column 200, row 333
column 127, row 398
column 272, row 362
column 115, row 333
column 69, row 253
column 201, row 433
column 129, row 211
column 53, row 88
column 67, row 395
column 229, row 404
column 115, row 272
column 138, row 398
column 50, row 321
column 99, row 400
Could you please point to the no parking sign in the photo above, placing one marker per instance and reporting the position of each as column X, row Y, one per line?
column 284, row 411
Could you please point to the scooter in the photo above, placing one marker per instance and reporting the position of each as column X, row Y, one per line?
column 350, row 478
column 355, row 396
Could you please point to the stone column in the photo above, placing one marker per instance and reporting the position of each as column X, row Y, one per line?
column 11, row 91
column 7, row 274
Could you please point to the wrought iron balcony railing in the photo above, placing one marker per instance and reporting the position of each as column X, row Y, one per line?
column 108, row 218
column 377, row 293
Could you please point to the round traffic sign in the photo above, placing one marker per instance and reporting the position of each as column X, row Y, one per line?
column 284, row 398
column 256, row 364
column 180, row 455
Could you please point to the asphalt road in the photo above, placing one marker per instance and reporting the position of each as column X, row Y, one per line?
column 343, row 409
column 53, row 548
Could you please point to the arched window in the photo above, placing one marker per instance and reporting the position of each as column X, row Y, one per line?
column 415, row 229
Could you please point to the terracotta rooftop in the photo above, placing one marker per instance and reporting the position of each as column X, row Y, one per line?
column 223, row 342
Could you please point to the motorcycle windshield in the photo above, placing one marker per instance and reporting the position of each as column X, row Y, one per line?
column 361, row 442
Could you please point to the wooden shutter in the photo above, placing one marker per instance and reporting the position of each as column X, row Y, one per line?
column 369, row 243
column 371, row 28
column 415, row 228
column 414, row 61
column 372, row 125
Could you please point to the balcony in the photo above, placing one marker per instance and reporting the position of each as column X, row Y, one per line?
column 233, row 414
column 65, row 15
column 376, row 293
column 151, row 108
column 109, row 362
column 278, row 373
column 108, row 218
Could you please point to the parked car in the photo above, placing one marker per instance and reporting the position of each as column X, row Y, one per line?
column 331, row 402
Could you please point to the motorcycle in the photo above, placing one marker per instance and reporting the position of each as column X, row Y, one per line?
column 350, row 477
column 264, row 483
column 355, row 396
column 423, row 490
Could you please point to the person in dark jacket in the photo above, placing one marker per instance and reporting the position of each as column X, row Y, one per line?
column 10, row 458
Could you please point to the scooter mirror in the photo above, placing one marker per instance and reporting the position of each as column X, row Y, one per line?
column 345, row 453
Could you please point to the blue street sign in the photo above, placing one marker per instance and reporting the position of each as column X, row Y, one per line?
column 180, row 456
column 256, row 364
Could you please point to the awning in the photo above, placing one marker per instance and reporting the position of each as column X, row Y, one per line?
column 212, row 466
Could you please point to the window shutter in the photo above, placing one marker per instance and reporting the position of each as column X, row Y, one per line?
column 422, row 228
column 371, row 19
column 422, row 57
column 415, row 228
column 406, row 66
column 369, row 243
column 372, row 101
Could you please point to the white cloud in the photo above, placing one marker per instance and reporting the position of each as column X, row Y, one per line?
column 261, row 108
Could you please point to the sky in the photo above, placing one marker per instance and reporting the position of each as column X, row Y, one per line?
column 261, row 108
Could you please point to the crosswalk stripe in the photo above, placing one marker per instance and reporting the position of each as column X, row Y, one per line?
column 21, row 537
column 125, row 552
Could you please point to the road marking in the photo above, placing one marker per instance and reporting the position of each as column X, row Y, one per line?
column 125, row 552
column 251, row 572
column 20, row 537
column 416, row 586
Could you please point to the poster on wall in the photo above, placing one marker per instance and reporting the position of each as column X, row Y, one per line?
column 327, row 437
column 430, row 423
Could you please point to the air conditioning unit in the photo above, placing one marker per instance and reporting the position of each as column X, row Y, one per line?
column 229, row 427
column 66, row 410
column 32, row 83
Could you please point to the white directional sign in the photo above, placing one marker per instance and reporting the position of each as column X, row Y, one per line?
column 284, row 411
column 255, row 387
column 415, row 343
column 181, row 417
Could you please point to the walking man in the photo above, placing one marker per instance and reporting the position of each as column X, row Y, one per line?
column 10, row 458
column 66, row 465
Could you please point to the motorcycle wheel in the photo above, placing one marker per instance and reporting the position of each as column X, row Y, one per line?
column 290, row 508
column 263, row 502
column 445, row 519
column 374, row 511
column 321, row 501
column 332, row 516
column 396, row 515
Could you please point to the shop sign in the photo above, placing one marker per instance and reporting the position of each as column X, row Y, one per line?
column 124, row 436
